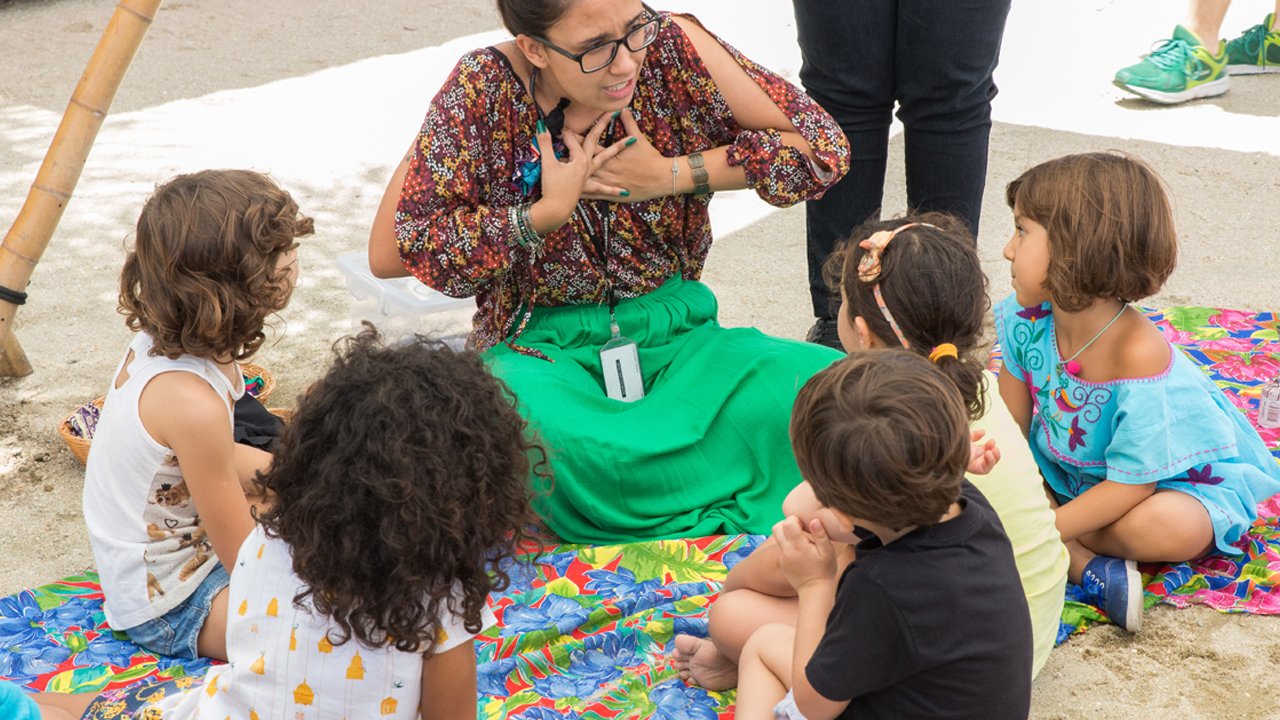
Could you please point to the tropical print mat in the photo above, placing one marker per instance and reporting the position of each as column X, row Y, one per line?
column 584, row 631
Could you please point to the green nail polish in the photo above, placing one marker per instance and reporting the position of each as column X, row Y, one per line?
column 616, row 113
column 625, row 193
column 541, row 127
column 630, row 142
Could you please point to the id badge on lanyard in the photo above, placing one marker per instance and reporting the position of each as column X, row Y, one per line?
column 620, row 357
column 620, row 364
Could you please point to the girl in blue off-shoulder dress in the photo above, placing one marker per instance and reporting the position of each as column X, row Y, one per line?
column 1147, row 459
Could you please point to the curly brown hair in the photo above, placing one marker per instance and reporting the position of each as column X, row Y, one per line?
column 402, row 475
column 201, row 278
column 1109, row 222
column 932, row 282
column 882, row 436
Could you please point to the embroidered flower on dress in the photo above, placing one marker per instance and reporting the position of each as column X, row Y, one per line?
column 1034, row 313
column 1077, row 434
column 1203, row 477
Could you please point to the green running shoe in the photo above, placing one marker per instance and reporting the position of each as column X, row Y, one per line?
column 1256, row 51
column 1177, row 70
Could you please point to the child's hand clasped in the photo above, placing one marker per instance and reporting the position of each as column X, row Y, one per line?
column 805, row 557
column 982, row 456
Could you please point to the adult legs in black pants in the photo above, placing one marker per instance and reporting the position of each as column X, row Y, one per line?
column 934, row 58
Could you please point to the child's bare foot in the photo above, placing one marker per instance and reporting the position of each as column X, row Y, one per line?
column 699, row 660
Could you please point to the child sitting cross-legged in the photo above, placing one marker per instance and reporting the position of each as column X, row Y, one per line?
column 930, row 619
column 1147, row 460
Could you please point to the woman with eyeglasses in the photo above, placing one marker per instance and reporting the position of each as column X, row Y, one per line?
column 562, row 178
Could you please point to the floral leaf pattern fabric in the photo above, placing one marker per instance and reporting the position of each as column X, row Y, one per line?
column 595, row 626
column 55, row 638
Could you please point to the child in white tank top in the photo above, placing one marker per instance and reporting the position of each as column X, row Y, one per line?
column 165, row 496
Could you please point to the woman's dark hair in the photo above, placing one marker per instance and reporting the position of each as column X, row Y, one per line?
column 401, row 484
column 201, row 277
column 933, row 284
column 532, row 17
column 882, row 436
column 1109, row 223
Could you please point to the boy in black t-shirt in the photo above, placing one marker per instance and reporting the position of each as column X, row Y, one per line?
column 930, row 620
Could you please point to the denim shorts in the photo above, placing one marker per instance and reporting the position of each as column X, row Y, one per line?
column 175, row 633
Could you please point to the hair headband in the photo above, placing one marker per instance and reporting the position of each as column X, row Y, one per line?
column 869, row 270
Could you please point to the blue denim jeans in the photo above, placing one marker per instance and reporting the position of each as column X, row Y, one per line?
column 934, row 58
column 175, row 633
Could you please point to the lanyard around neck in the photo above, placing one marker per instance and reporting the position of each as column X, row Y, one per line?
column 601, row 244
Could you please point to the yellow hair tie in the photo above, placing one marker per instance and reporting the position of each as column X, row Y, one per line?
column 943, row 350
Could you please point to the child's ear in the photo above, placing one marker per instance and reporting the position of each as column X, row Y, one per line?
column 866, row 338
column 846, row 521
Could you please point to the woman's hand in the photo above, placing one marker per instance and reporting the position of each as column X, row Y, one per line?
column 637, row 168
column 564, row 182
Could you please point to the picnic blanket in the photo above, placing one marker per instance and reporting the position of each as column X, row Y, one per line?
column 584, row 631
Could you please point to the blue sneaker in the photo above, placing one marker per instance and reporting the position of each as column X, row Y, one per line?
column 1116, row 585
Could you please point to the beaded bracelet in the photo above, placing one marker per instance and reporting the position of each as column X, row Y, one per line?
column 526, row 236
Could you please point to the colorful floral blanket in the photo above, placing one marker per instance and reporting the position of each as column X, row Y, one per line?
column 584, row 631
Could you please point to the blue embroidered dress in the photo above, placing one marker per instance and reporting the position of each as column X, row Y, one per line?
column 1175, row 429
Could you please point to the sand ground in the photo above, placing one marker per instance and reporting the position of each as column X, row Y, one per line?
column 325, row 95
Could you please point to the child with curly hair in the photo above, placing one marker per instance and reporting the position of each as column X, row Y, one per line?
column 166, row 497
column 399, row 492
column 1149, row 460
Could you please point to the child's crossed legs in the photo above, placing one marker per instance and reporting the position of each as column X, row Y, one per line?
column 755, row 594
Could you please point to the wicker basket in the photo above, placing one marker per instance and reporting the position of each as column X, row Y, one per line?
column 249, row 370
column 80, row 446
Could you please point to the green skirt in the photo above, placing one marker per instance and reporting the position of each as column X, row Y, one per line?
column 705, row 452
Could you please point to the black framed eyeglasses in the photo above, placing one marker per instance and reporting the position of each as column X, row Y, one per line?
column 599, row 57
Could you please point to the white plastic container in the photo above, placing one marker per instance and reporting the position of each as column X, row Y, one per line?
column 400, row 307
column 1269, row 404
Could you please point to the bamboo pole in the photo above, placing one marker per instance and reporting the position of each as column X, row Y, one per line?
column 30, row 233
column 13, row 363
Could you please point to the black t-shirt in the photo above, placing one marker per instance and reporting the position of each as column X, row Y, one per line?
column 932, row 625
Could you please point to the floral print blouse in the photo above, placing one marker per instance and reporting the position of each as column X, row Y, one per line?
column 452, row 224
